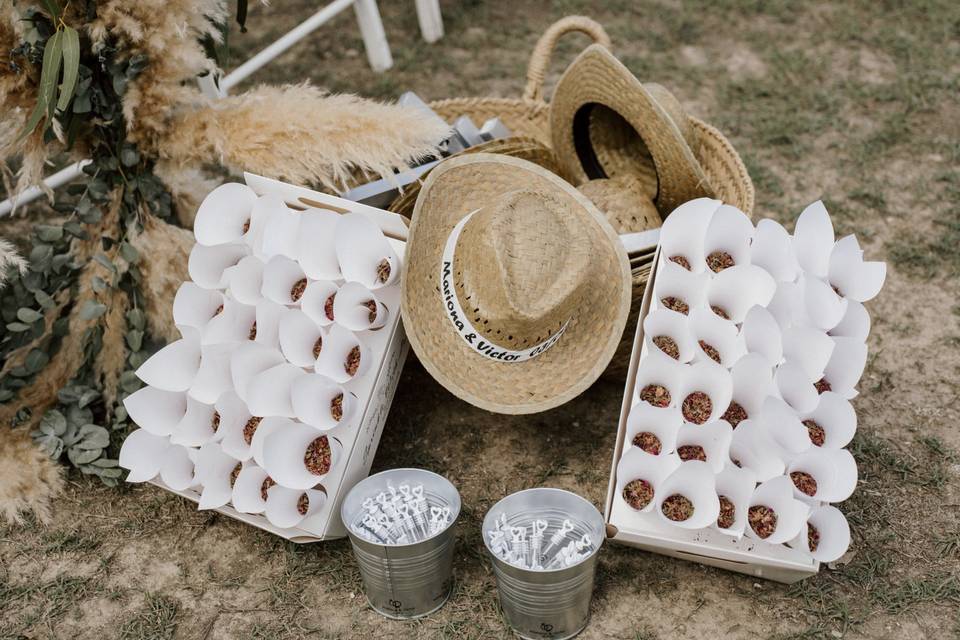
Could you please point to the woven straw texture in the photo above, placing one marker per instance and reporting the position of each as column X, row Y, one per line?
column 600, row 305
column 529, row 116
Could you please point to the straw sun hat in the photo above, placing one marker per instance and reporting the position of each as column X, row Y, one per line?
column 516, row 289
column 607, row 126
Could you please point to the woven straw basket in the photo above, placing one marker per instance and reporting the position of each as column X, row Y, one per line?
column 529, row 116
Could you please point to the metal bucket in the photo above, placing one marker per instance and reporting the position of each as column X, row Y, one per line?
column 404, row 581
column 546, row 604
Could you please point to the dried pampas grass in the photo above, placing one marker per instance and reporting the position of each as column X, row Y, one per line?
column 303, row 135
column 29, row 479
column 188, row 186
column 9, row 258
column 164, row 251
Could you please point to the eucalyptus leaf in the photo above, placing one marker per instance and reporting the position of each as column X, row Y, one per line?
column 93, row 436
column 129, row 156
column 54, row 421
column 98, row 284
column 51, row 445
column 87, row 397
column 49, row 74
column 49, row 232
column 6, row 394
column 135, row 339
column 71, row 66
column 136, row 319
column 129, row 252
column 17, row 327
column 92, row 310
column 105, row 261
column 36, row 360
column 44, row 299
column 27, row 315
column 129, row 381
column 79, row 456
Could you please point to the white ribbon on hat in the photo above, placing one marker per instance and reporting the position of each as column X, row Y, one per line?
column 459, row 319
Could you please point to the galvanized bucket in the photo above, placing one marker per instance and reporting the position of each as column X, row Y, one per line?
column 404, row 581
column 546, row 604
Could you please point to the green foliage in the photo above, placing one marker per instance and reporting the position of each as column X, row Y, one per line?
column 82, row 91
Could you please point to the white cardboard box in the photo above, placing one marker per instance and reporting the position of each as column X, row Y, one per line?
column 706, row 546
column 359, row 439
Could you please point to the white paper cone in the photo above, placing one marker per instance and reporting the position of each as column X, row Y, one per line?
column 673, row 281
column 268, row 323
column 282, row 503
column 280, row 275
column 178, row 470
column 845, row 481
column 268, row 426
column 281, row 230
column 260, row 217
column 836, row 416
column 834, row 534
column 313, row 397
column 234, row 441
column 714, row 437
column 637, row 464
column 761, row 334
column 245, row 280
column 683, row 231
column 362, row 249
column 351, row 308
column 232, row 324
column 663, row 322
column 318, row 253
column 194, row 306
column 821, row 306
column 854, row 324
column 223, row 214
column 714, row 331
column 196, row 426
column 695, row 481
column 214, row 468
column 783, row 426
column 829, row 472
column 248, row 360
column 752, row 378
column 710, row 379
column 772, row 249
column 155, row 410
column 738, row 288
column 314, row 301
column 233, row 415
column 142, row 454
column 284, row 451
column 753, row 449
column 854, row 278
column 174, row 367
column 731, row 231
column 268, row 393
column 777, row 494
column 206, row 265
column 786, row 303
column 808, row 347
column 663, row 372
column 795, row 386
column 736, row 485
column 813, row 239
column 247, row 490
column 213, row 376
column 663, row 423
column 846, row 366
column 299, row 336
column 337, row 347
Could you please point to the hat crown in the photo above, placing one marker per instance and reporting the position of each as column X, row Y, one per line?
column 520, row 269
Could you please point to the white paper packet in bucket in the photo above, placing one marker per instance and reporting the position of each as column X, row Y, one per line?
column 286, row 453
column 694, row 481
column 363, row 252
column 790, row 514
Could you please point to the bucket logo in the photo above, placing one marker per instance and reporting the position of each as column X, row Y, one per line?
column 546, row 629
column 397, row 606
column 458, row 318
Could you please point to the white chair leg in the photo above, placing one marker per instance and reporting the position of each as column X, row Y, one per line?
column 431, row 22
column 374, row 38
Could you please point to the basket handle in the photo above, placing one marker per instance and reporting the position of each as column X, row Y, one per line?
column 540, row 58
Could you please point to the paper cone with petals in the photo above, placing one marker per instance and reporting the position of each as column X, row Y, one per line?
column 673, row 325
column 142, row 453
column 364, row 254
column 156, row 410
column 207, row 265
column 224, row 215
column 694, row 481
column 683, row 231
column 791, row 514
column 662, row 423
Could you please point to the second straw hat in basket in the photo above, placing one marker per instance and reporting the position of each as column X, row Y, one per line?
column 517, row 289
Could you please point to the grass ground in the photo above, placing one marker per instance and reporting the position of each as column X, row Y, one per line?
column 853, row 102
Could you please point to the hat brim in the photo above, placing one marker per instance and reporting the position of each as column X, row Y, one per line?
column 456, row 188
column 596, row 77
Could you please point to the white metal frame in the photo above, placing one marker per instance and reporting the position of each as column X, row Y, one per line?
column 374, row 41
